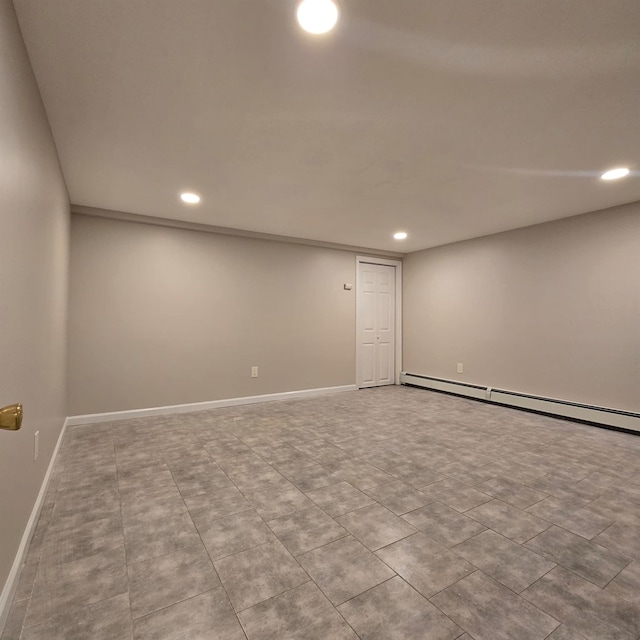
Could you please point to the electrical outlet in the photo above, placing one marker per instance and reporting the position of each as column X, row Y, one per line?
column 254, row 372
column 36, row 445
column 460, row 367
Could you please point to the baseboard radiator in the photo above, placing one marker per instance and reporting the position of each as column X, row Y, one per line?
column 600, row 416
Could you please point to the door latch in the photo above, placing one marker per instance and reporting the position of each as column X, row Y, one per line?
column 11, row 417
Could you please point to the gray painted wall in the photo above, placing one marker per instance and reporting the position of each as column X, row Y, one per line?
column 552, row 309
column 34, row 218
column 162, row 316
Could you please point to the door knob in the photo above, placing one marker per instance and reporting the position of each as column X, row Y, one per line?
column 11, row 417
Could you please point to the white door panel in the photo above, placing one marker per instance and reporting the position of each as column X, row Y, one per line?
column 384, row 312
column 368, row 311
column 368, row 356
column 384, row 363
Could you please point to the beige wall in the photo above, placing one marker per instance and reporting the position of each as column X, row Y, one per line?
column 162, row 316
column 34, row 215
column 552, row 309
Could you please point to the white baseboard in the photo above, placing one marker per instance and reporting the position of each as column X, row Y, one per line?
column 10, row 586
column 627, row 420
column 92, row 418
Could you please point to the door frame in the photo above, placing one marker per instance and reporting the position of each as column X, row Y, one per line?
column 398, row 315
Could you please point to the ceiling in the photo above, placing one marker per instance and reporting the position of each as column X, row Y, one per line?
column 448, row 119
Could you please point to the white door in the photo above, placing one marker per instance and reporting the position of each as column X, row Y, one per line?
column 376, row 324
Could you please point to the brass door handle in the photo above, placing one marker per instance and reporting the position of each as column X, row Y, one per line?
column 11, row 417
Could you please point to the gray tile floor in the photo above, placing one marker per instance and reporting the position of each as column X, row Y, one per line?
column 385, row 514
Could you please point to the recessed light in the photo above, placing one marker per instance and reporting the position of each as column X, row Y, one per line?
column 400, row 235
column 615, row 174
column 317, row 16
column 190, row 198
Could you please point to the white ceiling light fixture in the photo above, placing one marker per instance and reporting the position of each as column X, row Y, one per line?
column 317, row 16
column 190, row 198
column 615, row 174
column 400, row 235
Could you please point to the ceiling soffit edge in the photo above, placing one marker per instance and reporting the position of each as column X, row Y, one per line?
column 226, row 231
